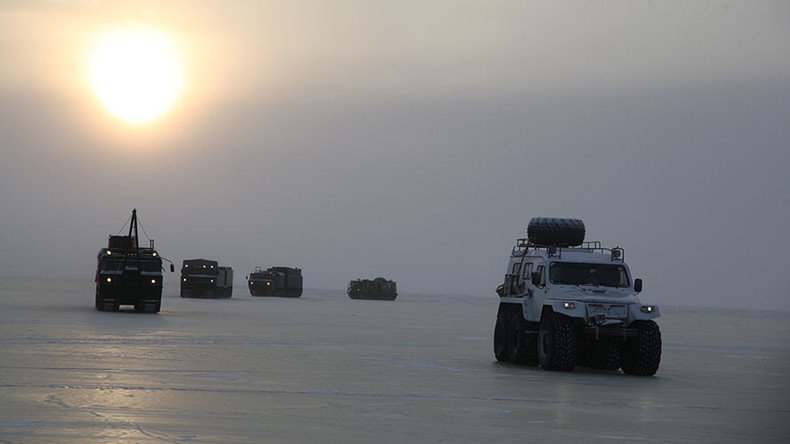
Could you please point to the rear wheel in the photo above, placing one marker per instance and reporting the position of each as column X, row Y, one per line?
column 643, row 352
column 607, row 357
column 501, row 336
column 557, row 342
column 523, row 342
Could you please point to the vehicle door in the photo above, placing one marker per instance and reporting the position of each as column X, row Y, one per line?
column 535, row 294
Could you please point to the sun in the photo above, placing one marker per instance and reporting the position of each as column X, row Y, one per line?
column 136, row 72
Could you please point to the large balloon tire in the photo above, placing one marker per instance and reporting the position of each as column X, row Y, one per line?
column 523, row 343
column 607, row 357
column 643, row 352
column 501, row 333
column 557, row 343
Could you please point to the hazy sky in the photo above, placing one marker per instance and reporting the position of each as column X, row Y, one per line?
column 413, row 140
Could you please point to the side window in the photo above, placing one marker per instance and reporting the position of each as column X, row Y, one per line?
column 516, row 269
column 528, row 270
column 541, row 270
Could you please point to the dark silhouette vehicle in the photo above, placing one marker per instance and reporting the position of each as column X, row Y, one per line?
column 203, row 278
column 128, row 274
column 376, row 289
column 276, row 281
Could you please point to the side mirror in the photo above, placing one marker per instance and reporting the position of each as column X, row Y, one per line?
column 247, row 278
column 637, row 285
column 536, row 278
column 172, row 268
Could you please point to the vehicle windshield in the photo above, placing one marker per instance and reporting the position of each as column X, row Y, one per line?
column 119, row 265
column 573, row 273
column 198, row 270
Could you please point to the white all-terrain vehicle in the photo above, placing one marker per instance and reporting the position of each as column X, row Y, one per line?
column 567, row 302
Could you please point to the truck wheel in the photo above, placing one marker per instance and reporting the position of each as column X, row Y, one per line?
column 105, row 305
column 554, row 231
column 643, row 352
column 523, row 342
column 557, row 343
column 98, row 301
column 151, row 307
column 501, row 336
column 607, row 357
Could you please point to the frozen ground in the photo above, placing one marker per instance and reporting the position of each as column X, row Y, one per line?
column 324, row 368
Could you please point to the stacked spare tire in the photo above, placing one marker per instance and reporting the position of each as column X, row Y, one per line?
column 377, row 289
column 555, row 232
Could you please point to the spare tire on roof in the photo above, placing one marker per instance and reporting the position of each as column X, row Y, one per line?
column 554, row 231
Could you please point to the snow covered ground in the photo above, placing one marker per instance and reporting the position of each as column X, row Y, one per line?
column 325, row 368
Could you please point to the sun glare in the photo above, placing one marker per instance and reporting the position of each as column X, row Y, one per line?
column 137, row 73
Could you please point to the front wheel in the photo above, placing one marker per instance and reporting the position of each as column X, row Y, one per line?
column 557, row 343
column 643, row 352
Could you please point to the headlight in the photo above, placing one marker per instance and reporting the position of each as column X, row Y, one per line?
column 268, row 283
column 647, row 309
column 109, row 280
column 185, row 279
column 568, row 305
column 154, row 253
column 153, row 281
column 212, row 281
column 109, row 253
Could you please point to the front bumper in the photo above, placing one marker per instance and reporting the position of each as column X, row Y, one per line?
column 261, row 287
column 125, row 293
column 604, row 315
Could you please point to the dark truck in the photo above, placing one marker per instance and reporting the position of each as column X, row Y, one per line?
column 377, row 289
column 203, row 278
column 128, row 274
column 276, row 281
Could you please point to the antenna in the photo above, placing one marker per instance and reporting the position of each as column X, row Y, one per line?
column 133, row 229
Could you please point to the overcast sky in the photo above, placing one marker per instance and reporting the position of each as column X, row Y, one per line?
column 413, row 140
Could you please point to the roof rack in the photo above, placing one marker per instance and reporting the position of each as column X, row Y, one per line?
column 523, row 245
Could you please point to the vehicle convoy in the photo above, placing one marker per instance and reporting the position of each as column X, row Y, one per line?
column 377, row 289
column 276, row 281
column 128, row 274
column 203, row 278
column 566, row 302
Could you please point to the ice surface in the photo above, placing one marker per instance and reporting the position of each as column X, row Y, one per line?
column 324, row 368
